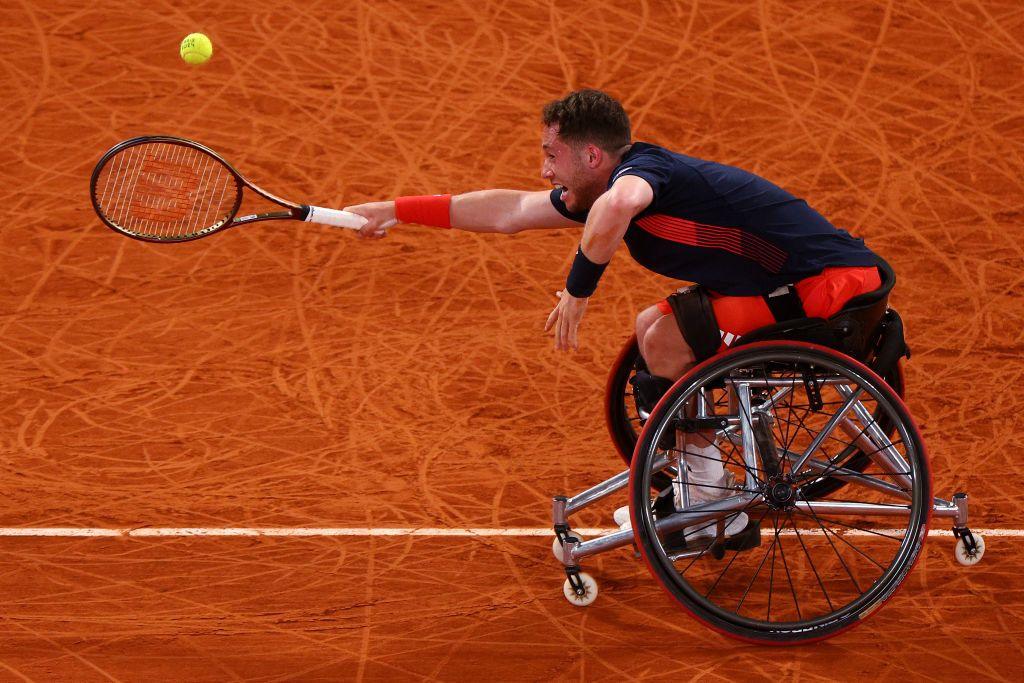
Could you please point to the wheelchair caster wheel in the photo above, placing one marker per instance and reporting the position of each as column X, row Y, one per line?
column 556, row 548
column 590, row 594
column 968, row 559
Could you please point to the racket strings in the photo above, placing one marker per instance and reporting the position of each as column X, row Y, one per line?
column 166, row 191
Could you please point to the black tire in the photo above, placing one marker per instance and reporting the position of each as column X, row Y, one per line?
column 824, row 568
column 621, row 416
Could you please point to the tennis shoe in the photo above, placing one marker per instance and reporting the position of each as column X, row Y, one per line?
column 621, row 517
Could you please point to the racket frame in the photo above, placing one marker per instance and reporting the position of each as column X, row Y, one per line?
column 293, row 211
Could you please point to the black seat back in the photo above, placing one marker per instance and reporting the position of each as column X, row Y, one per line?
column 856, row 325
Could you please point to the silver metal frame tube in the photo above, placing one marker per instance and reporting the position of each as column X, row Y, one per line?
column 943, row 508
column 695, row 515
column 829, row 426
column 705, row 511
column 558, row 514
column 836, row 508
column 601, row 544
column 884, row 454
column 734, row 421
column 596, row 493
column 747, row 434
column 852, row 476
column 704, row 407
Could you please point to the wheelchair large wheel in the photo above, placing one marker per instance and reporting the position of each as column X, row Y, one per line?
column 625, row 421
column 622, row 418
column 805, row 567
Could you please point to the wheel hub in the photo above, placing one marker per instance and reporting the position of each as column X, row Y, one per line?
column 780, row 493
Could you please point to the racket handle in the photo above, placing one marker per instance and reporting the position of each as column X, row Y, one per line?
column 339, row 219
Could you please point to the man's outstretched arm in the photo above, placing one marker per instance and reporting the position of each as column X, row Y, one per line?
column 501, row 211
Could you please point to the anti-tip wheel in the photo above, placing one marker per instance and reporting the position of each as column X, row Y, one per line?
column 558, row 551
column 590, row 591
column 965, row 558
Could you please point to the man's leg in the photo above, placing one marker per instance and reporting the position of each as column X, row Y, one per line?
column 668, row 356
column 650, row 384
column 663, row 347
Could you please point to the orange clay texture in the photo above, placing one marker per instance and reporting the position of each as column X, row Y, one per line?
column 285, row 374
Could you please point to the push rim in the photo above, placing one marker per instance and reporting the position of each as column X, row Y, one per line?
column 705, row 597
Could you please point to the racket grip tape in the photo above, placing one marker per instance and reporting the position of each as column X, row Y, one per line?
column 334, row 217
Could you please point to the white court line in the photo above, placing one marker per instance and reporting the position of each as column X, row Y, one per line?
column 150, row 532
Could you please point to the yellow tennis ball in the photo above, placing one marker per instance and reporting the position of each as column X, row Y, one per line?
column 196, row 48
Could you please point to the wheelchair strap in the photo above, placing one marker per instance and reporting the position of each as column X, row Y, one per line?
column 696, row 320
column 785, row 304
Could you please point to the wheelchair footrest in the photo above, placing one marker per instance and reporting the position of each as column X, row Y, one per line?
column 745, row 540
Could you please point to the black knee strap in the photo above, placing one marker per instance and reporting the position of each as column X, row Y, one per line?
column 696, row 320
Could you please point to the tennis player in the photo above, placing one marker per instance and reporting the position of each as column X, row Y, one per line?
column 757, row 254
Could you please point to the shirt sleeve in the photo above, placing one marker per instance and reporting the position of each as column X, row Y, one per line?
column 654, row 170
column 556, row 201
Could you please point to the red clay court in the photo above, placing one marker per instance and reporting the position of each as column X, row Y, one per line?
column 290, row 377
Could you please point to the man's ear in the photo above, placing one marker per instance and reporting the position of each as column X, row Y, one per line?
column 594, row 155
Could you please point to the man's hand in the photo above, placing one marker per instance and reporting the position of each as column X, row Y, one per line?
column 565, row 320
column 379, row 215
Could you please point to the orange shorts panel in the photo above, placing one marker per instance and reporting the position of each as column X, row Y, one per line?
column 823, row 295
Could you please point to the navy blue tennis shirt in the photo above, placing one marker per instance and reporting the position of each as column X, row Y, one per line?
column 725, row 228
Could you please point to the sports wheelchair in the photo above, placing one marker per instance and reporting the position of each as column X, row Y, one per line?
column 822, row 458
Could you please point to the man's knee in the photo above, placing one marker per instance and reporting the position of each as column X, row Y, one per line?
column 644, row 320
column 666, row 352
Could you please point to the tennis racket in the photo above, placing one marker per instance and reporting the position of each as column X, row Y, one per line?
column 168, row 189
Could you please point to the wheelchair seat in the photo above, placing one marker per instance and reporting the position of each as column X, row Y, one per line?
column 865, row 328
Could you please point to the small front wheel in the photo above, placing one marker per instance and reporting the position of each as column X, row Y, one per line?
column 970, row 558
column 589, row 591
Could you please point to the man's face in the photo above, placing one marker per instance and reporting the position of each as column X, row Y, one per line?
column 572, row 168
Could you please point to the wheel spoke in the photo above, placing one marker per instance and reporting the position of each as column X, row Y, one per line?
column 771, row 572
column 736, row 554
column 872, row 532
column 789, row 577
column 839, row 555
column 753, row 578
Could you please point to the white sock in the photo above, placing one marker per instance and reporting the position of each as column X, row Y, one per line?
column 704, row 464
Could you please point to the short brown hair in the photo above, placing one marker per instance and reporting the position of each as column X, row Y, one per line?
column 589, row 116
